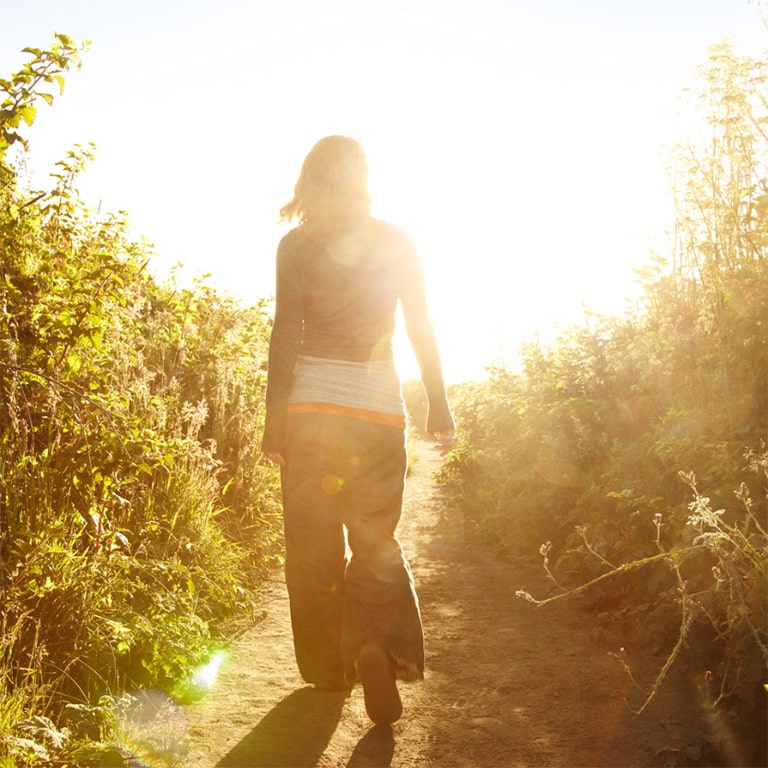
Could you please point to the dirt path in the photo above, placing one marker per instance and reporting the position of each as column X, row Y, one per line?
column 507, row 684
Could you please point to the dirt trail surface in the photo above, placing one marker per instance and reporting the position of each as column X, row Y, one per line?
column 507, row 684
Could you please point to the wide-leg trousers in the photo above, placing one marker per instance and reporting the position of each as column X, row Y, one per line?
column 348, row 580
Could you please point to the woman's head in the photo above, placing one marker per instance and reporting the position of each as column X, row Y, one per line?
column 333, row 183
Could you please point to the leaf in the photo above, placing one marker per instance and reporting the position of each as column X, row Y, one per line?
column 28, row 114
column 60, row 80
column 56, row 549
column 47, row 98
column 75, row 362
column 10, row 117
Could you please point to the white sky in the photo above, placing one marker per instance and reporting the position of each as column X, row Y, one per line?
column 521, row 142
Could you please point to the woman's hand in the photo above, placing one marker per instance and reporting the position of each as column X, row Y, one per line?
column 445, row 440
column 275, row 457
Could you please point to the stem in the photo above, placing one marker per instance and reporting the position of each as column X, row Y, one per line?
column 626, row 568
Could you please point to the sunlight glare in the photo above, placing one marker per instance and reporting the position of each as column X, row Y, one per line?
column 205, row 677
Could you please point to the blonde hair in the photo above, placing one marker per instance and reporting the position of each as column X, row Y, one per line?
column 333, row 184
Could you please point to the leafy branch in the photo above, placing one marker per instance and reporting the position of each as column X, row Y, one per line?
column 22, row 90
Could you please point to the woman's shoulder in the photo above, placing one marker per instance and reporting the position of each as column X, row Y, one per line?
column 292, row 250
column 291, row 240
column 394, row 237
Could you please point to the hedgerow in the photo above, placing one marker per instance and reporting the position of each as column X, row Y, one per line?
column 137, row 516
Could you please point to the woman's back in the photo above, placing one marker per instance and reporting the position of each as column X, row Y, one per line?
column 349, row 287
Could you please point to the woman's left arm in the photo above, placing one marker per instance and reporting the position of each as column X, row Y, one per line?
column 421, row 334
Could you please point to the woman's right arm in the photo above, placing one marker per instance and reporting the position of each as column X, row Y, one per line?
column 283, row 348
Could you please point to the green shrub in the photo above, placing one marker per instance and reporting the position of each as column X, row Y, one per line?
column 137, row 516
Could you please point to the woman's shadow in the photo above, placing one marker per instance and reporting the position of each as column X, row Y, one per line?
column 295, row 733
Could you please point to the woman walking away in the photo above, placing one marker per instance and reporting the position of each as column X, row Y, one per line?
column 335, row 424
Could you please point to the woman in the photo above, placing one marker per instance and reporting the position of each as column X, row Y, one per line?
column 335, row 424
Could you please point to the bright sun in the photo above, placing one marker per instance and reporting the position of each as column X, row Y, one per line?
column 507, row 263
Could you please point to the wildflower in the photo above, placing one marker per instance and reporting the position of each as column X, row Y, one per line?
column 702, row 513
column 743, row 495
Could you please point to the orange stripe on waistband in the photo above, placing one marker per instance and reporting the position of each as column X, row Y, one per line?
column 388, row 419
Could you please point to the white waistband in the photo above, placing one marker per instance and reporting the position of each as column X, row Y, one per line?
column 373, row 386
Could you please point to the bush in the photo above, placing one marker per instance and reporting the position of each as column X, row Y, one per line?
column 581, row 446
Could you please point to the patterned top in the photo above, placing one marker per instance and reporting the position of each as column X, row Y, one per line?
column 331, row 345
